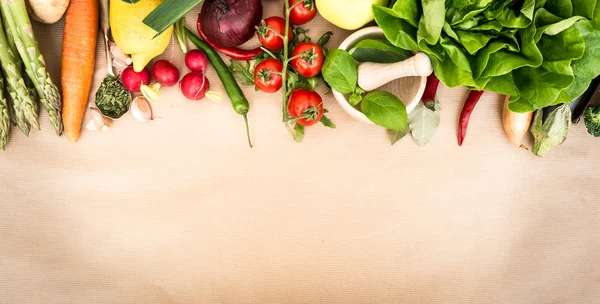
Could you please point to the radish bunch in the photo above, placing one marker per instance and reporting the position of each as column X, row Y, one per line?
column 194, row 85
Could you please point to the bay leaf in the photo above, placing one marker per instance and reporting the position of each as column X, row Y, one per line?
column 424, row 120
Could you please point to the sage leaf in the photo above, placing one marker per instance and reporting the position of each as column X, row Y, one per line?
column 339, row 71
column 385, row 109
column 424, row 120
column 378, row 50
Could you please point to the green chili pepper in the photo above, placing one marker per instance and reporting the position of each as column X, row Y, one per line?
column 236, row 95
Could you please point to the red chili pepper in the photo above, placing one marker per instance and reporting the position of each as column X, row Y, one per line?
column 234, row 53
column 468, row 108
column 430, row 89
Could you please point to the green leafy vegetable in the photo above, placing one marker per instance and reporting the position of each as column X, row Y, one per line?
column 242, row 72
column 424, row 120
column 551, row 131
column 378, row 50
column 385, row 109
column 339, row 71
column 540, row 52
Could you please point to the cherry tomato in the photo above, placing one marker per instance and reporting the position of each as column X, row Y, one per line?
column 310, row 59
column 306, row 107
column 268, row 38
column 264, row 77
column 303, row 12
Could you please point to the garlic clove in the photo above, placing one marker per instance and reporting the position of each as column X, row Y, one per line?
column 119, row 55
column 140, row 109
column 98, row 122
column 119, row 64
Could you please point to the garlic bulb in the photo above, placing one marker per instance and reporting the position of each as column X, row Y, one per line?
column 140, row 109
column 98, row 122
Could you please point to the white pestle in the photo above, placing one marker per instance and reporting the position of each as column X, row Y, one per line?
column 374, row 75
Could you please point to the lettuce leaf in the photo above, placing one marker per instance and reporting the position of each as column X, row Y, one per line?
column 540, row 52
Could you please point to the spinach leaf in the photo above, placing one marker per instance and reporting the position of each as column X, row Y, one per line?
column 378, row 50
column 385, row 109
column 339, row 71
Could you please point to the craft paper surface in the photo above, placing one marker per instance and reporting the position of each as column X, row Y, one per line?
column 180, row 210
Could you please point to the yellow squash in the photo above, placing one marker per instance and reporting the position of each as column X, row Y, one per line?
column 348, row 14
column 132, row 36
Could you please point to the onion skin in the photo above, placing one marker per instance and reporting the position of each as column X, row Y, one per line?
column 515, row 125
column 230, row 23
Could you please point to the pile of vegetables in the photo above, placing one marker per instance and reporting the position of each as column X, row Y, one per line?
column 542, row 54
column 288, row 60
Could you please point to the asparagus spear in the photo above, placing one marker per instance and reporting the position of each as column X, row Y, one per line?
column 19, row 26
column 19, row 63
column 4, row 117
column 26, row 110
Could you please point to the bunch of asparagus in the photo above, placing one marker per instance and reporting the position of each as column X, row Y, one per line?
column 25, row 77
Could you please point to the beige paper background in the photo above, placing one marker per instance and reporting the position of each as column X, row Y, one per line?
column 180, row 210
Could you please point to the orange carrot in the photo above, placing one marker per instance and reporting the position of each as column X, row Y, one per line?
column 78, row 60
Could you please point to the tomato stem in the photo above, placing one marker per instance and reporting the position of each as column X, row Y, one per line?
column 264, row 31
column 290, row 8
column 266, row 50
column 285, row 59
column 294, row 57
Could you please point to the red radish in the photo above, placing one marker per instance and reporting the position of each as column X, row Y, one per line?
column 196, row 61
column 132, row 80
column 194, row 85
column 165, row 73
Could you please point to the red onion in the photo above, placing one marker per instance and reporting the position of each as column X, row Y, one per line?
column 230, row 23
